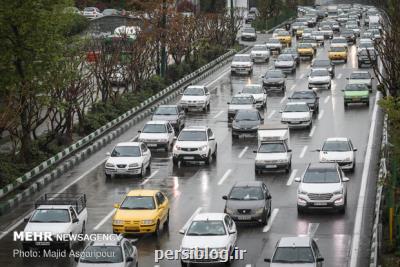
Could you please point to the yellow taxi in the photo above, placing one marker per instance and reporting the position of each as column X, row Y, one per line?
column 141, row 211
column 299, row 32
column 305, row 50
column 338, row 53
column 285, row 38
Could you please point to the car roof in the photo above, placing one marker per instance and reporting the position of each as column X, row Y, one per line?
column 296, row 241
column 322, row 165
column 331, row 139
column 247, row 183
column 128, row 144
column 209, row 216
column 142, row 192
column 107, row 242
column 157, row 122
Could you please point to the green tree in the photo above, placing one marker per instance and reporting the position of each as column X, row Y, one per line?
column 33, row 38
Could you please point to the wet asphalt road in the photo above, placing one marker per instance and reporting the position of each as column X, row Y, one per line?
column 199, row 188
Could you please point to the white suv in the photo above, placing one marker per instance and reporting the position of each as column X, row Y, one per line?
column 129, row 158
column 259, row 94
column 297, row 115
column 195, row 97
column 321, row 187
column 156, row 134
column 338, row 150
column 212, row 232
column 195, row 143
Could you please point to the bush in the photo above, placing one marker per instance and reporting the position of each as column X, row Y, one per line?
column 155, row 84
column 260, row 24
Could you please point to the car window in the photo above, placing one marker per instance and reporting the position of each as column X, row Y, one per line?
column 99, row 254
column 246, row 193
column 165, row 111
column 138, row 203
column 208, row 227
column 195, row 91
column 73, row 214
column 126, row 250
column 192, row 136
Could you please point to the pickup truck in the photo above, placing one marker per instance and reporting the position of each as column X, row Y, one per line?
column 56, row 214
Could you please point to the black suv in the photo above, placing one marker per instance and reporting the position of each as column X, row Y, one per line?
column 324, row 63
column 309, row 96
column 274, row 80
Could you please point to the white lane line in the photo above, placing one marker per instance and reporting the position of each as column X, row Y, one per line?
column 339, row 76
column 303, row 152
column 108, row 216
column 248, row 265
column 271, row 114
column 291, row 178
column 321, row 114
column 226, row 174
column 219, row 77
column 243, row 151
column 148, row 178
column 292, row 87
column 301, row 76
column 218, row 114
column 355, row 245
column 59, row 192
column 344, row 66
column 327, row 99
column 283, row 99
column 271, row 220
column 191, row 218
column 312, row 229
column 308, row 67
column 312, row 131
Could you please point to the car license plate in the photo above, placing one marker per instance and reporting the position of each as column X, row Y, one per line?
column 356, row 98
column 42, row 243
column 152, row 145
column 320, row 204
column 244, row 218
column 271, row 166
column 188, row 158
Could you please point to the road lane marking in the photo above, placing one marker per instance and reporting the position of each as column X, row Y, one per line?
column 291, row 178
column 339, row 76
column 197, row 211
column 148, row 178
column 327, row 99
column 321, row 114
column 108, row 216
column 308, row 67
column 355, row 246
column 301, row 76
column 303, row 152
column 248, row 265
column 218, row 114
column 271, row 220
column 312, row 229
column 226, row 174
column 312, row 131
column 271, row 114
column 344, row 66
column 283, row 99
column 219, row 77
column 292, row 87
column 243, row 151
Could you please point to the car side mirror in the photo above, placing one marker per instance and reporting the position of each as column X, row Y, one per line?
column 345, row 179
column 225, row 197
column 354, row 149
column 289, row 150
column 175, row 138
column 231, row 232
column 139, row 131
column 320, row 259
column 267, row 260
column 108, row 154
column 129, row 259
column 254, row 151
column 268, row 197
column 317, row 97
column 347, row 78
column 262, row 76
column 211, row 138
column 75, row 220
column 228, row 103
column 372, row 78
column 182, row 231
column 117, row 205
column 297, row 179
column 26, row 219
column 342, row 90
column 318, row 150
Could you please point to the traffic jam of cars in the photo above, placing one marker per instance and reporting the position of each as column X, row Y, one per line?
column 257, row 165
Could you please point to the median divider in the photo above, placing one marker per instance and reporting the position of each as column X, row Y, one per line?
column 57, row 165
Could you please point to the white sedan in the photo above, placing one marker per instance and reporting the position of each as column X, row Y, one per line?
column 259, row 94
column 319, row 78
column 157, row 134
column 361, row 77
column 339, row 150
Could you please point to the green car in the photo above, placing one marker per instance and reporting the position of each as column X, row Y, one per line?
column 356, row 93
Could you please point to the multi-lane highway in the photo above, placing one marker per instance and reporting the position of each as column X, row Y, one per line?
column 198, row 188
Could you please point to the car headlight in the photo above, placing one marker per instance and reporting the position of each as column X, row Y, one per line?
column 282, row 160
column 147, row 222
column 110, row 165
column 201, row 101
column 235, row 125
column 338, row 192
column 259, row 210
column 229, row 211
column 255, row 127
column 203, row 148
column 301, row 192
column 118, row 222
column 347, row 159
column 177, row 147
column 133, row 165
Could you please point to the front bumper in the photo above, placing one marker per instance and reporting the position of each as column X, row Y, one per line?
column 238, row 131
column 260, row 58
column 248, row 38
column 247, row 217
column 275, row 48
column 286, row 69
column 151, row 144
column 193, row 105
column 337, row 202
column 190, row 156
column 134, row 229
column 241, row 70
column 297, row 124
column 122, row 171
column 357, row 100
column 318, row 85
column 273, row 86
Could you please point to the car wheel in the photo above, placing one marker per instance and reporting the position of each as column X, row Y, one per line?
column 157, row 232
column 264, row 220
column 345, row 61
column 214, row 155
column 108, row 176
column 142, row 172
column 167, row 147
column 343, row 209
column 367, row 104
column 184, row 264
column 330, row 86
column 208, row 159
column 208, row 106
column 166, row 223
column 300, row 210
column 175, row 161
column 310, row 126
column 257, row 171
column 345, row 104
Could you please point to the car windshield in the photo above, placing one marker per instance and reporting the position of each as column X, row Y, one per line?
column 242, row 100
column 197, row 91
column 138, row 203
column 297, row 108
column 273, row 41
column 303, row 95
column 316, row 73
column 126, row 151
column 304, row 45
column 321, row 63
column 365, row 44
column 274, row 74
column 246, row 116
column 249, row 30
column 293, row 255
column 102, row 254
column 326, row 28
column 336, row 146
column 321, row 175
column 285, row 57
column 338, row 41
column 89, row 9
column 192, row 136
column 252, row 89
column 272, row 148
column 206, row 228
column 347, row 32
column 246, row 193
column 50, row 215
column 154, row 128
column 356, row 87
column 241, row 58
column 109, row 12
column 166, row 111
column 360, row 75
column 317, row 33
column 259, row 48
column 337, row 49
column 283, row 33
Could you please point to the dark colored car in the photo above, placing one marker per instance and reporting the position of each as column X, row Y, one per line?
column 249, row 201
column 246, row 121
column 367, row 57
column 172, row 113
column 324, row 63
column 309, row 96
column 349, row 35
column 274, row 80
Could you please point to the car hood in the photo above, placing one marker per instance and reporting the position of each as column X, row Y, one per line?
column 187, row 144
column 134, row 215
column 338, row 45
column 273, row 44
column 258, row 97
column 54, row 228
column 236, row 107
column 123, row 160
column 295, row 115
column 360, row 81
column 193, row 97
column 245, row 204
column 306, row 100
column 321, row 188
column 333, row 155
column 356, row 93
column 271, row 156
column 319, row 79
column 164, row 117
column 240, row 63
column 284, row 63
column 292, row 265
column 153, row 136
column 83, row 264
column 259, row 53
column 248, row 34
column 204, row 241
